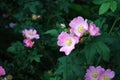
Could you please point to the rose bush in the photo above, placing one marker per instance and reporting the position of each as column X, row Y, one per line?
column 60, row 39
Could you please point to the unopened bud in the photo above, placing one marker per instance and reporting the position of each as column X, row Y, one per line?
column 81, row 40
column 63, row 25
column 38, row 16
column 34, row 17
column 9, row 77
column 49, row 72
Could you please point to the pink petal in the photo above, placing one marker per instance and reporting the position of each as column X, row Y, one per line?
column 2, row 71
column 67, row 50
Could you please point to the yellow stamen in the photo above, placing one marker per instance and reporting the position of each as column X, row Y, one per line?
column 80, row 29
column 106, row 78
column 30, row 34
column 95, row 75
column 69, row 42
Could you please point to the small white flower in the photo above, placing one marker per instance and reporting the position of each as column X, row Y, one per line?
column 62, row 25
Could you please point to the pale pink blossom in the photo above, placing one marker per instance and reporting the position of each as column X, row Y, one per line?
column 67, row 42
column 107, row 75
column 78, row 26
column 94, row 73
column 31, row 34
column 2, row 71
column 28, row 42
column 93, row 30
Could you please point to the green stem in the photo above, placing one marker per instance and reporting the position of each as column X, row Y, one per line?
column 65, row 74
column 117, row 19
column 98, row 61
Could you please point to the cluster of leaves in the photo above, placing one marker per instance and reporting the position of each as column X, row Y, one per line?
column 44, row 61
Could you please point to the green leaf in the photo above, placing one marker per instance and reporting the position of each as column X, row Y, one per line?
column 36, row 58
column 113, row 6
column 60, row 69
column 11, row 49
column 100, row 22
column 98, row 1
column 76, row 7
column 104, row 8
column 103, row 50
column 31, row 6
column 55, row 78
column 16, row 48
column 70, row 66
column 90, row 52
column 33, row 56
column 52, row 32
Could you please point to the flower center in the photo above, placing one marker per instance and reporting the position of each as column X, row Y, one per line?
column 95, row 75
column 80, row 29
column 69, row 42
column 106, row 78
column 30, row 42
column 30, row 34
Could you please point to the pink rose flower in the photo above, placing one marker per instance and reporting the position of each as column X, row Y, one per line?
column 93, row 30
column 107, row 75
column 94, row 73
column 28, row 42
column 2, row 71
column 78, row 26
column 67, row 41
column 31, row 34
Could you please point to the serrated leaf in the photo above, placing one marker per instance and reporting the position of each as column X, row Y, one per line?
column 98, row 1
column 52, row 32
column 76, row 7
column 104, row 8
column 32, row 6
column 55, row 78
column 33, row 56
column 32, row 9
column 11, row 49
column 100, row 22
column 103, row 50
column 90, row 52
column 113, row 6
column 68, row 67
column 16, row 47
column 36, row 58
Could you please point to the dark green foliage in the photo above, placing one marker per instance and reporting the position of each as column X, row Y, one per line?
column 44, row 61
